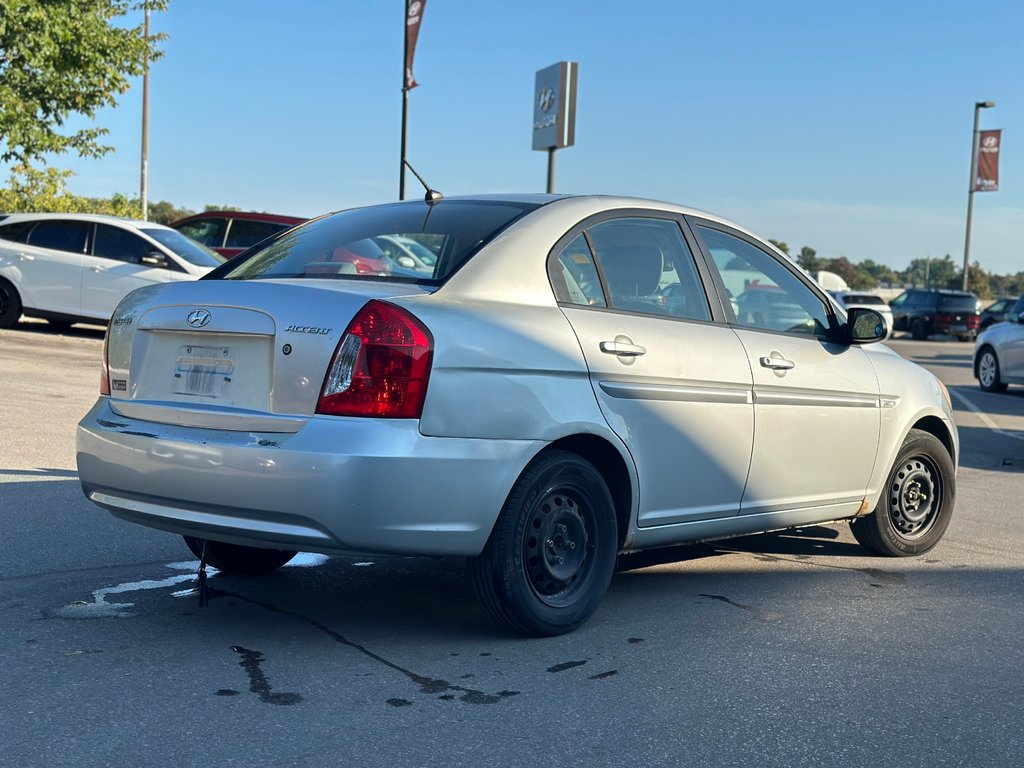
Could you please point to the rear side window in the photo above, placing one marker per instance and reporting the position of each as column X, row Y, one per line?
column 343, row 246
column 16, row 231
column 245, row 234
column 60, row 235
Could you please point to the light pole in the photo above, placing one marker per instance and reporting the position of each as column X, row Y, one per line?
column 978, row 106
column 144, row 170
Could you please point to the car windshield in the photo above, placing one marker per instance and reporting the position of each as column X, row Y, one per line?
column 187, row 248
column 343, row 246
column 958, row 303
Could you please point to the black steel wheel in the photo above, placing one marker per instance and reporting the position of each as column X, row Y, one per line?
column 551, row 555
column 918, row 330
column 917, row 503
column 234, row 558
column 10, row 305
column 988, row 371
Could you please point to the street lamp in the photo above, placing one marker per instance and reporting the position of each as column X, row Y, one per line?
column 978, row 106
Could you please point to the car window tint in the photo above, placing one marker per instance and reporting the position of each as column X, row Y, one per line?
column 243, row 234
column 958, row 303
column 119, row 244
column 575, row 276
column 648, row 268
column 16, row 231
column 60, row 235
column 766, row 294
column 209, row 232
column 865, row 299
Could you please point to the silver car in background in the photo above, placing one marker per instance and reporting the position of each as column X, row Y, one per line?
column 999, row 352
column 569, row 382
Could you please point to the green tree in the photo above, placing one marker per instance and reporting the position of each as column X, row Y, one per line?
column 213, row 207
column 780, row 245
column 167, row 213
column 880, row 273
column 977, row 281
column 808, row 259
column 32, row 190
column 59, row 59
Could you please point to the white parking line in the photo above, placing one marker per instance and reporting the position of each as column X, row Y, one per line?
column 985, row 418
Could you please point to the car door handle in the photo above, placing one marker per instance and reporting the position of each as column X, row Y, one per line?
column 621, row 348
column 26, row 257
column 777, row 363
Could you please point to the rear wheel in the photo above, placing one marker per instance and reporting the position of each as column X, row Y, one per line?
column 988, row 371
column 916, row 504
column 234, row 558
column 551, row 555
column 10, row 305
column 918, row 331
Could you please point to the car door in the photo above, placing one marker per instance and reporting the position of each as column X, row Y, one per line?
column 816, row 401
column 114, row 268
column 51, row 265
column 673, row 383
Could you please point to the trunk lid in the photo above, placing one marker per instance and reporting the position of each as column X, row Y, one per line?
column 237, row 355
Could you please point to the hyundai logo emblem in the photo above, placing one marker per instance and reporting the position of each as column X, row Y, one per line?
column 197, row 318
column 990, row 141
column 545, row 99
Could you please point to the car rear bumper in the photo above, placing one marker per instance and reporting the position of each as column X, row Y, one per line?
column 336, row 485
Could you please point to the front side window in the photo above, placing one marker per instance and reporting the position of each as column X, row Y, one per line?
column 209, row 232
column 764, row 294
column 60, row 235
column 119, row 244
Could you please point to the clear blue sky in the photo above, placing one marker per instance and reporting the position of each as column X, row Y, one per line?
column 844, row 126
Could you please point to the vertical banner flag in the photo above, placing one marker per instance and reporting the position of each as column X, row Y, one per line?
column 987, row 179
column 413, row 16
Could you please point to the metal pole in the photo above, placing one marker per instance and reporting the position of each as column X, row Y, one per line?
column 144, row 171
column 978, row 106
column 551, row 171
column 405, row 102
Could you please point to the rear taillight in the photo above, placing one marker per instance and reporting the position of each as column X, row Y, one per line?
column 381, row 366
column 105, row 365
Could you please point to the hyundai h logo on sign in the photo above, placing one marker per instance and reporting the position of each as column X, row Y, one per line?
column 197, row 318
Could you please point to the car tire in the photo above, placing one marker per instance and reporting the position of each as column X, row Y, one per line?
column 551, row 555
column 917, row 503
column 234, row 558
column 10, row 304
column 918, row 330
column 988, row 371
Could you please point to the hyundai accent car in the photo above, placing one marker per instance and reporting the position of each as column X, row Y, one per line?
column 69, row 268
column 999, row 352
column 571, row 381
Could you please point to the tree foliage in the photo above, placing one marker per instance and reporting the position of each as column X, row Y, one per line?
column 31, row 190
column 60, row 59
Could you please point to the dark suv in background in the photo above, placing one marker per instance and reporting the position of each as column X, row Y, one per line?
column 231, row 232
column 928, row 312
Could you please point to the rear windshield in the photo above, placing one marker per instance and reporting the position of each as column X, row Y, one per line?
column 863, row 298
column 363, row 243
column 958, row 303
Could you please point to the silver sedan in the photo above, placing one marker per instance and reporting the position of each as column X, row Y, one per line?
column 572, row 380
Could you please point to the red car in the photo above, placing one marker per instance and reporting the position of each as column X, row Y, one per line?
column 231, row 232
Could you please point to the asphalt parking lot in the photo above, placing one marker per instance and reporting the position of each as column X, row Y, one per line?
column 792, row 649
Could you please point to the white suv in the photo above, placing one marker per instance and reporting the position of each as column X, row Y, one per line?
column 68, row 267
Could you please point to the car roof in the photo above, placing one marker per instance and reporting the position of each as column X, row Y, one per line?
column 102, row 218
column 247, row 215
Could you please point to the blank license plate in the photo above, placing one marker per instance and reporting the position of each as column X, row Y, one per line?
column 203, row 371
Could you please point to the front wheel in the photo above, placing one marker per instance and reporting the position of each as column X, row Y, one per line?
column 234, row 558
column 551, row 555
column 916, row 504
column 988, row 371
column 10, row 305
column 918, row 331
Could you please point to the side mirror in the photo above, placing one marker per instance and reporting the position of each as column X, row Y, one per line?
column 154, row 258
column 865, row 326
